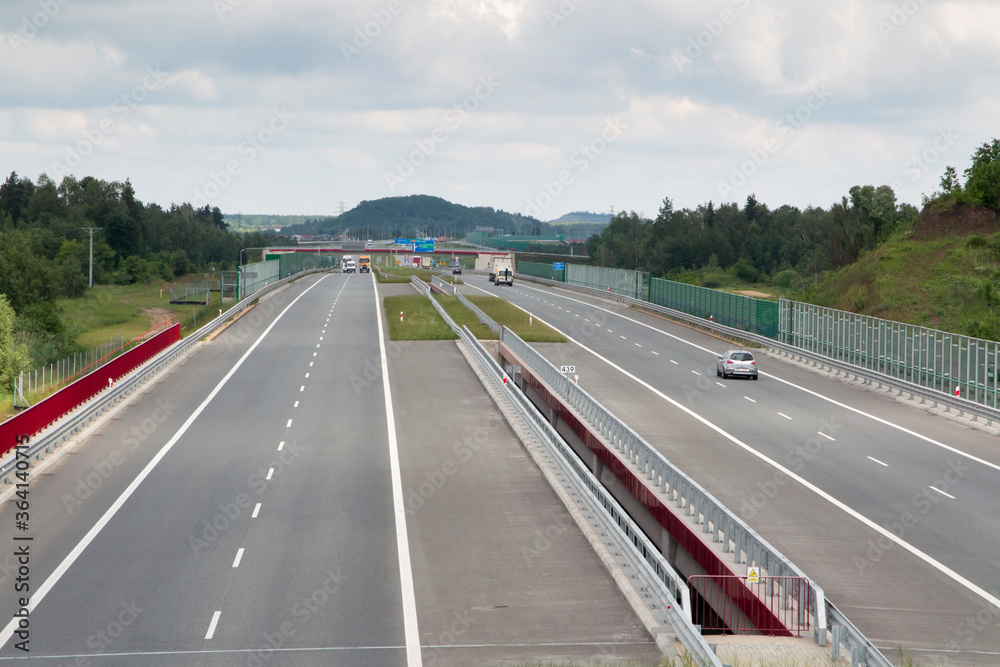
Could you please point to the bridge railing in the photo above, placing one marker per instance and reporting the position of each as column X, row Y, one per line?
column 660, row 580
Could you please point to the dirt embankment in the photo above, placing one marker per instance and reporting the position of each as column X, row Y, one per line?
column 954, row 220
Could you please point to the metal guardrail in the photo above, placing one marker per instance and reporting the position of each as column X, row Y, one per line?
column 480, row 313
column 72, row 425
column 447, row 287
column 660, row 581
column 868, row 376
column 704, row 508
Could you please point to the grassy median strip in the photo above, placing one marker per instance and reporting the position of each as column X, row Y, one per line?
column 420, row 320
column 502, row 312
column 515, row 319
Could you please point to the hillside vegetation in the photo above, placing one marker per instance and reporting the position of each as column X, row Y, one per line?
column 943, row 272
column 937, row 267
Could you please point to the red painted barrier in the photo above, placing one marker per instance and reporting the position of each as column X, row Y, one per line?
column 47, row 411
column 680, row 530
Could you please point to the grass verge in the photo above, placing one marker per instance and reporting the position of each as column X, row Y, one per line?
column 515, row 319
column 420, row 320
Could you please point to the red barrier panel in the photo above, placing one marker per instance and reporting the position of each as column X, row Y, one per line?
column 680, row 530
column 47, row 411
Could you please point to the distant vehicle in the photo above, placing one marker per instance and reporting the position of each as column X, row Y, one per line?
column 457, row 271
column 425, row 262
column 369, row 243
column 736, row 363
column 365, row 263
column 503, row 265
column 348, row 264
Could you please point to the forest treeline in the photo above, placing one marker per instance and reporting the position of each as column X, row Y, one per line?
column 45, row 252
column 755, row 243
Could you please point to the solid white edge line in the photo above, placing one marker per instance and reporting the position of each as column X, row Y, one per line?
column 211, row 626
column 71, row 557
column 239, row 557
column 858, row 411
column 888, row 534
column 410, row 630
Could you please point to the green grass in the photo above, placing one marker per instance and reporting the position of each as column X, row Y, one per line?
column 945, row 283
column 420, row 320
column 107, row 310
column 402, row 275
column 512, row 317
column 503, row 312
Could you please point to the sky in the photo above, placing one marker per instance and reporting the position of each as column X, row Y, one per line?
column 540, row 107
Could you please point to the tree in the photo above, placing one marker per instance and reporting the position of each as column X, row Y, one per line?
column 14, row 196
column 982, row 182
column 13, row 354
column 949, row 181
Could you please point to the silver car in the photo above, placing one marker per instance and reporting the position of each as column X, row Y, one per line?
column 736, row 363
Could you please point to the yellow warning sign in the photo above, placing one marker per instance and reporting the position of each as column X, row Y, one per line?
column 753, row 576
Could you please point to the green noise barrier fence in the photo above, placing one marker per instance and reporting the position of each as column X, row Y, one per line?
column 732, row 310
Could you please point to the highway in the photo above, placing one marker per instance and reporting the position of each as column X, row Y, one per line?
column 891, row 508
column 248, row 508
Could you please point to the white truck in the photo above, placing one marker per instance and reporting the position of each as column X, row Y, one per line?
column 502, row 271
column 347, row 264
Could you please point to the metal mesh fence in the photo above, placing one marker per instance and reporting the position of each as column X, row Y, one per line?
column 199, row 292
column 732, row 310
column 930, row 358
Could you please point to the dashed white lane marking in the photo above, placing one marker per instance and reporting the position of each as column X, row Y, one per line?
column 696, row 373
column 947, row 495
column 239, row 557
column 302, row 388
column 281, row 445
column 270, row 473
column 826, row 436
column 289, row 424
column 749, row 399
column 720, row 384
column 314, row 354
column 296, row 404
column 878, row 462
column 637, row 345
column 307, row 375
column 211, row 626
column 673, row 362
column 81, row 546
column 317, row 344
column 310, row 363
column 782, row 414
column 885, row 532
column 655, row 352
column 321, row 338
column 622, row 337
column 256, row 511
column 610, row 331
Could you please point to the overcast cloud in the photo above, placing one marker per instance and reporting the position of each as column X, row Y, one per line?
column 540, row 107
